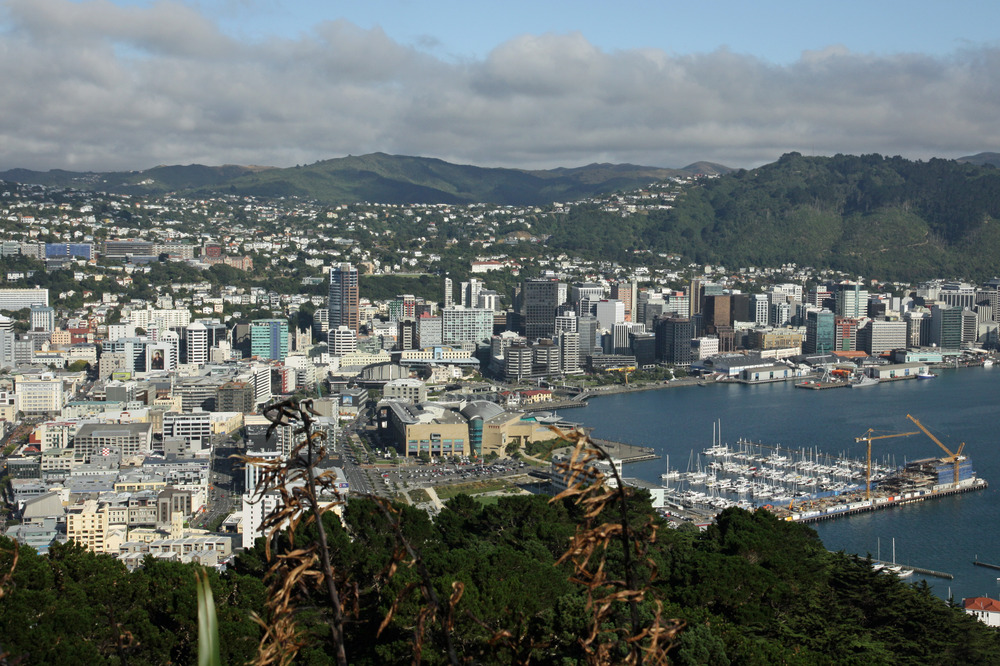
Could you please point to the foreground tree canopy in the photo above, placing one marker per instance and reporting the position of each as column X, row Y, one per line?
column 750, row 590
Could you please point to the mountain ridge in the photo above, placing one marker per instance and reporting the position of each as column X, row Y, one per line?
column 376, row 177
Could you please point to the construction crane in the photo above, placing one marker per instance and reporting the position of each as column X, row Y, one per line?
column 954, row 458
column 867, row 437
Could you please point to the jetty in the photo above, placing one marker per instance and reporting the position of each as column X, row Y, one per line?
column 985, row 564
column 919, row 570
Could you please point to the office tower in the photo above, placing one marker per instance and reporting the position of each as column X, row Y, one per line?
column 609, row 313
column 583, row 290
column 466, row 325
column 343, row 301
column 541, row 300
column 759, row 309
column 673, row 340
column 43, row 318
column 852, row 300
column 428, row 331
column 269, row 339
column 197, row 343
column 716, row 312
column 449, row 293
column 569, row 350
column 845, row 330
column 342, row 341
column 626, row 293
column 406, row 335
column 586, row 326
column 946, row 327
column 820, row 338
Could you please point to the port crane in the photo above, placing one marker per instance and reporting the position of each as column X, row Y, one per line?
column 869, row 437
column 954, row 458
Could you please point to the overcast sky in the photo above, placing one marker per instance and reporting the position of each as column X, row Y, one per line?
column 130, row 84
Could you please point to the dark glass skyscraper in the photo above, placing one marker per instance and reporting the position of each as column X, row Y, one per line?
column 343, row 303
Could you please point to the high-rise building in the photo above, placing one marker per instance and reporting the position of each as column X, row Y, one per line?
column 406, row 335
column 43, row 318
column 946, row 327
column 197, row 343
column 269, row 338
column 466, row 325
column 470, row 292
column 609, row 313
column 716, row 311
column 569, row 350
column 845, row 331
column 626, row 293
column 852, row 300
column 820, row 338
column 673, row 340
column 541, row 300
column 342, row 307
column 881, row 336
column 449, row 293
column 586, row 326
column 342, row 341
column 760, row 307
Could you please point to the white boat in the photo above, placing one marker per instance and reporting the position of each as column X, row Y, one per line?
column 863, row 381
column 988, row 363
column 926, row 375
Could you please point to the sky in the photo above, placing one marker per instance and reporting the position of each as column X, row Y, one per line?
column 130, row 84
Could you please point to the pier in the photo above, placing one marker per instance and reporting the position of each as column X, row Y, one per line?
column 853, row 508
column 626, row 452
column 985, row 564
column 919, row 570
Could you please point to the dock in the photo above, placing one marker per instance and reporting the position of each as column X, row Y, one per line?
column 627, row 453
column 919, row 570
column 985, row 564
column 848, row 508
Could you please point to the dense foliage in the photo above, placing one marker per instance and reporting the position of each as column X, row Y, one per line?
column 883, row 217
column 752, row 590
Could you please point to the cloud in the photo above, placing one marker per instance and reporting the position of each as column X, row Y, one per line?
column 97, row 86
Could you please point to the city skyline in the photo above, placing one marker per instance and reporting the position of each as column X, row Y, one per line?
column 124, row 84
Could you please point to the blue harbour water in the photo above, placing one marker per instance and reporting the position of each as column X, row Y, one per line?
column 960, row 405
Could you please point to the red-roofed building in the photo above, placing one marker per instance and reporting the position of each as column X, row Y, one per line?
column 984, row 609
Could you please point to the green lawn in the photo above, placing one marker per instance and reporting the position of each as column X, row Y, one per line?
column 472, row 488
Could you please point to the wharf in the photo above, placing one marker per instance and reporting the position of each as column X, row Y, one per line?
column 848, row 508
column 819, row 386
column 919, row 570
column 985, row 564
column 627, row 453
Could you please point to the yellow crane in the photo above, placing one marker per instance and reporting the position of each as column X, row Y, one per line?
column 954, row 458
column 867, row 437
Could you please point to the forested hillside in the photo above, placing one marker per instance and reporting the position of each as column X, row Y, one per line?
column 750, row 590
column 887, row 218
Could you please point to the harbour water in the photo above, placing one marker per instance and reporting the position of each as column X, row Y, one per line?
column 958, row 406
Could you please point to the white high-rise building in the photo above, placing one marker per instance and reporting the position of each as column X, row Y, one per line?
column 449, row 293
column 466, row 325
column 609, row 312
column 342, row 341
column 197, row 343
column 759, row 309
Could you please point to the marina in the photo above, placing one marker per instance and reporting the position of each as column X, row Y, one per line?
column 943, row 535
column 804, row 485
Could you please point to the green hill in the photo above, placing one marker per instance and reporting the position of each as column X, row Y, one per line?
column 377, row 178
column 877, row 216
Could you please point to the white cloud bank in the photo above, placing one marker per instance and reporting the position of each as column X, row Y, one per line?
column 101, row 87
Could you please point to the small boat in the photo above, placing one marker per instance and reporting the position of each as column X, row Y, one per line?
column 863, row 381
column 988, row 363
column 926, row 375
